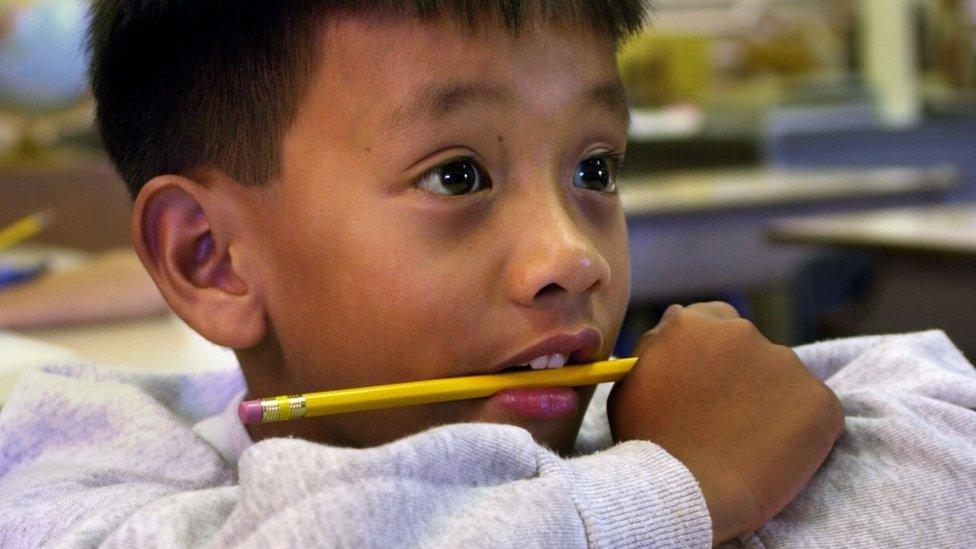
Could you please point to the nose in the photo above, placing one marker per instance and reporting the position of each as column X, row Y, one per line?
column 554, row 258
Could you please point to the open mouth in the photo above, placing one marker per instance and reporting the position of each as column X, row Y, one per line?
column 544, row 362
column 555, row 351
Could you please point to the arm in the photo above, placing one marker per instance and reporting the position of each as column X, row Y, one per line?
column 461, row 485
column 110, row 286
column 902, row 474
column 104, row 460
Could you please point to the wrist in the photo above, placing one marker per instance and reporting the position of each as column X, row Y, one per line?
column 733, row 510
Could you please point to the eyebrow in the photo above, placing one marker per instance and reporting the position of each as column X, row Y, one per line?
column 440, row 101
column 611, row 96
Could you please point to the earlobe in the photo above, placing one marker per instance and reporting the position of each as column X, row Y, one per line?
column 187, row 243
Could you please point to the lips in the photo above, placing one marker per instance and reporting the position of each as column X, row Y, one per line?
column 539, row 404
column 556, row 351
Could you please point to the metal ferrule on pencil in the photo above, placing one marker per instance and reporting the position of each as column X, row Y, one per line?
column 283, row 408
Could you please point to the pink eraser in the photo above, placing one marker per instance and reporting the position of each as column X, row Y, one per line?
column 250, row 411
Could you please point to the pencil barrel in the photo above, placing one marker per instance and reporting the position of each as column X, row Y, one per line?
column 23, row 229
column 345, row 401
column 361, row 399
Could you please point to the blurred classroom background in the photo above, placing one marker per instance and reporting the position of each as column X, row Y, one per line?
column 812, row 162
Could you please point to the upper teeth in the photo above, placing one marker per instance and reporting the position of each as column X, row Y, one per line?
column 548, row 361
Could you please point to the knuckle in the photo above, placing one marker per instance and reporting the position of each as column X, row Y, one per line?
column 743, row 328
column 676, row 320
column 786, row 354
column 725, row 309
column 825, row 397
column 646, row 342
column 825, row 406
column 716, row 309
column 835, row 408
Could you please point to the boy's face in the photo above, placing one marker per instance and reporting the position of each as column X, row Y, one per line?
column 445, row 208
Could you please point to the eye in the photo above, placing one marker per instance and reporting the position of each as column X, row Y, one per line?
column 598, row 173
column 457, row 177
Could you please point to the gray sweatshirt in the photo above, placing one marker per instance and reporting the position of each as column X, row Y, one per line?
column 90, row 457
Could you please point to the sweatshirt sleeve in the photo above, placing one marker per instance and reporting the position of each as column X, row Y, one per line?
column 85, row 463
column 465, row 485
column 902, row 474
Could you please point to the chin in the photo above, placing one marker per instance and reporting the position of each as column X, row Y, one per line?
column 559, row 437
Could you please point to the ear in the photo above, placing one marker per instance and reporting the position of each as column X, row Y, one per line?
column 184, row 236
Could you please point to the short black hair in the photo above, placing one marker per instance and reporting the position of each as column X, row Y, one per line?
column 183, row 84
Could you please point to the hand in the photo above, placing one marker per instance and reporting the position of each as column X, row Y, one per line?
column 743, row 415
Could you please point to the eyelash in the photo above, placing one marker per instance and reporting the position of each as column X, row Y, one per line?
column 614, row 158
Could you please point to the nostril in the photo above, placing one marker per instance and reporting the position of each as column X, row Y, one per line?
column 593, row 287
column 549, row 289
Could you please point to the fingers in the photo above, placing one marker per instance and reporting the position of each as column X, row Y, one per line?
column 669, row 314
column 713, row 309
column 645, row 338
column 716, row 309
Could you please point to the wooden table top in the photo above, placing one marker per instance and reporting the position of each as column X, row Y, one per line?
column 949, row 229
column 716, row 190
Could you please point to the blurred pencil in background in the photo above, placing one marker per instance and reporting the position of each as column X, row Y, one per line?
column 24, row 229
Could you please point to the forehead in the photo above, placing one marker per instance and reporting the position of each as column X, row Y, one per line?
column 381, row 69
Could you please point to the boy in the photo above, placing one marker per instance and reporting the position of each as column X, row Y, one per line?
column 354, row 193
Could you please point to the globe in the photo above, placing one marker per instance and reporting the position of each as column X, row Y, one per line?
column 42, row 56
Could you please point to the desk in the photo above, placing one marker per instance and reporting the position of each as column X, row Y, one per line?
column 932, row 231
column 158, row 344
column 703, row 232
column 161, row 344
column 90, row 202
column 926, row 266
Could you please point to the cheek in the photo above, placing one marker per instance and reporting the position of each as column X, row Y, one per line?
column 612, row 243
column 435, row 306
column 371, row 297
column 607, row 229
column 619, row 259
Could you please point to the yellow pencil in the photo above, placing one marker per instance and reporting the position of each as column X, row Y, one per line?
column 361, row 399
column 24, row 228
